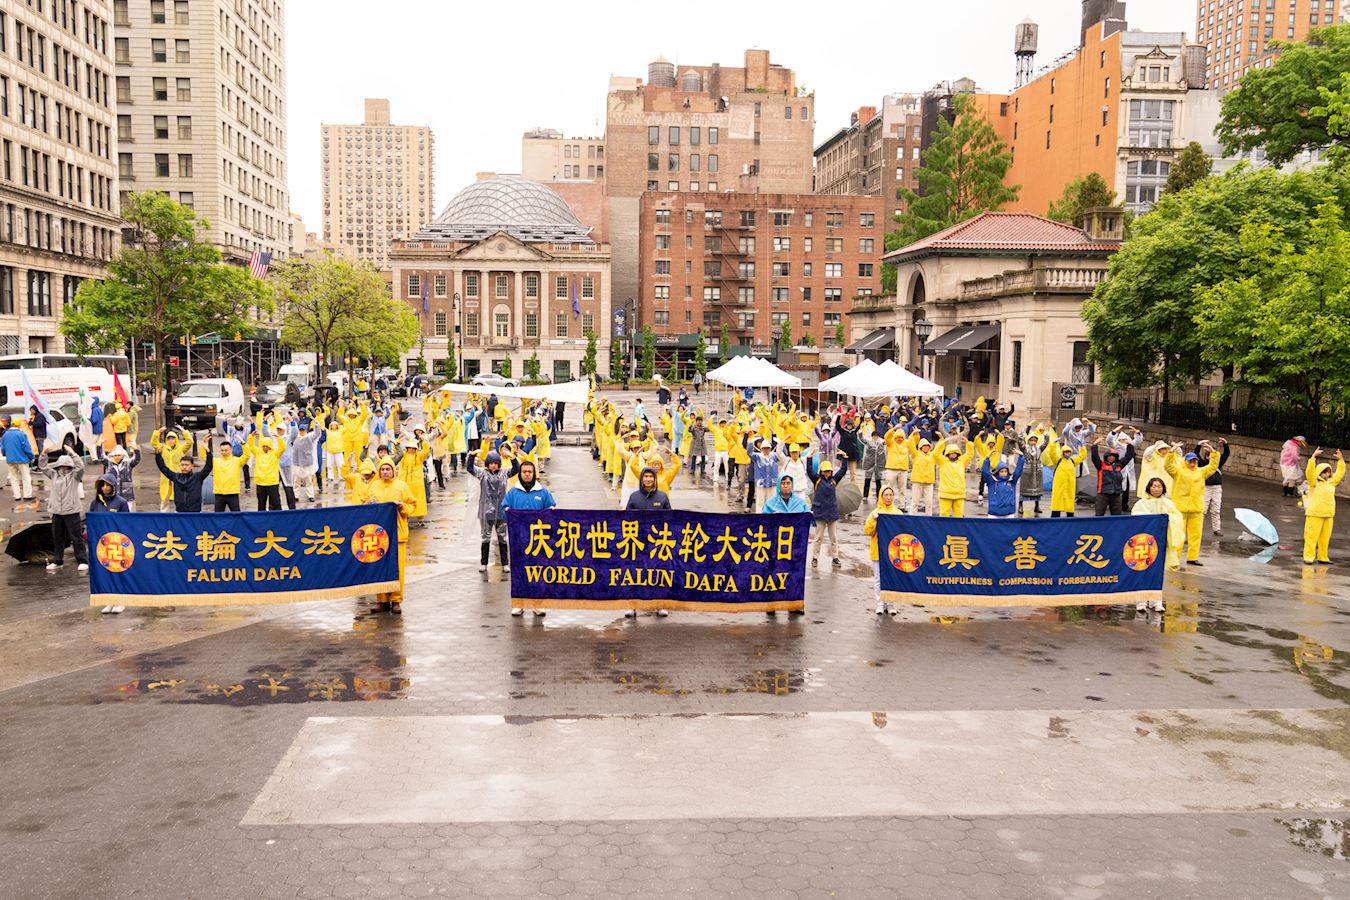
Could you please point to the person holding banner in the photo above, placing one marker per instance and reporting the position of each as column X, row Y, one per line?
column 1155, row 502
column 1188, row 491
column 648, row 496
column 389, row 489
column 528, row 494
column 885, row 506
column 952, row 478
column 1319, row 507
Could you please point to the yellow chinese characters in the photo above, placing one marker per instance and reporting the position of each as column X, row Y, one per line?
column 270, row 542
column 956, row 552
column 167, row 548
column 1024, row 555
column 216, row 548
column 1086, row 551
column 322, row 543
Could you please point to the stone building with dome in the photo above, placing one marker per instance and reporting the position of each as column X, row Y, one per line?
column 504, row 273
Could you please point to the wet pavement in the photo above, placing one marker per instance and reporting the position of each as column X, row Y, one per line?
column 319, row 749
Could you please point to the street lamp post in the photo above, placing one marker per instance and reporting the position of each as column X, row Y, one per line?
column 923, row 330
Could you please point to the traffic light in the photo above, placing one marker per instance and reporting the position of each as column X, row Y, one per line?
column 182, row 341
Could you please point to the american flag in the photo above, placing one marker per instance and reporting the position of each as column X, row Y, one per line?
column 258, row 263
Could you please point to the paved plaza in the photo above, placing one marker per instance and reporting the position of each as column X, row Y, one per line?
column 320, row 749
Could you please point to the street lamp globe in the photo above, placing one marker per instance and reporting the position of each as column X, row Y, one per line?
column 923, row 330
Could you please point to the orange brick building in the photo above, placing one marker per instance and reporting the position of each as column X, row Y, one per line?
column 1239, row 39
column 757, row 261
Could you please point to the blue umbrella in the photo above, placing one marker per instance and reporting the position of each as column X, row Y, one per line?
column 1257, row 524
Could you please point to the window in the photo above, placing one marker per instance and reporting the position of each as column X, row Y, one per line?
column 471, row 284
column 806, row 270
column 159, row 50
column 673, row 134
column 867, row 220
column 161, row 128
column 712, row 294
column 182, row 51
column 746, row 269
column 662, row 267
column 865, row 245
column 782, row 245
column 160, row 86
column 124, row 169
column 120, row 16
column 832, row 320
column 156, row 12
column 185, row 128
column 587, row 287
column 1016, row 363
column 184, row 88
column 712, row 243
column 663, row 217
column 185, row 165
column 501, row 324
column 532, row 325
column 587, row 322
column 695, row 133
column 440, row 285
column 653, row 162
column 471, row 324
column 414, row 285
column 745, row 320
column 780, row 295
column 672, row 162
column 663, row 242
column 695, row 162
column 39, row 293
column 782, row 269
column 746, row 245
column 162, row 165
column 712, row 158
column 712, row 139
column 834, row 245
column 123, row 89
column 757, row 109
column 660, row 317
column 441, row 325
column 833, row 295
column 187, row 199
column 865, row 270
column 180, row 12
column 782, row 219
column 748, row 219
column 672, row 185
column 712, row 269
column 712, row 218
column 653, row 135
column 532, row 285
column 560, row 287
column 745, row 296
column 806, row 245
column 1083, row 370
column 661, row 292
column 712, row 319
column 560, row 325
column 123, row 51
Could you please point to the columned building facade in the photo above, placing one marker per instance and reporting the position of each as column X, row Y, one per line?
column 506, row 273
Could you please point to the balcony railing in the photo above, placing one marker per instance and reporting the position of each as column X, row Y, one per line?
column 873, row 302
column 1065, row 279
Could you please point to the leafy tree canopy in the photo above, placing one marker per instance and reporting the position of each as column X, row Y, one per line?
column 1080, row 195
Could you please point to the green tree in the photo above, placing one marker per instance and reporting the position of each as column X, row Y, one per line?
column 166, row 281
column 532, row 367
column 1191, row 165
column 322, row 300
column 592, row 349
column 647, row 368
column 1335, row 107
column 961, row 176
column 1141, row 318
column 839, row 334
column 450, row 366
column 615, row 363
column 785, row 339
column 1283, row 323
column 504, row 369
column 808, row 340
column 1281, row 107
column 1080, row 195
column 701, row 354
column 724, row 345
column 382, row 329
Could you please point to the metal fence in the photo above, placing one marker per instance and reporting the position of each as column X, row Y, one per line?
column 1200, row 408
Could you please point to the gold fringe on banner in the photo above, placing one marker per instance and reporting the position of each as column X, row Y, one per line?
column 993, row 601
column 672, row 605
column 242, row 598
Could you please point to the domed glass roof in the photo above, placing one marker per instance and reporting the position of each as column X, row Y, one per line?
column 525, row 209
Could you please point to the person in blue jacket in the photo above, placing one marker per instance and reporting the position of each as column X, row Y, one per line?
column 785, row 501
column 527, row 494
column 825, row 503
column 96, row 425
column 1003, row 487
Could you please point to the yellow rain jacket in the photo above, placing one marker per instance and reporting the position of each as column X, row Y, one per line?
column 1321, row 499
column 266, row 456
column 952, row 475
column 923, row 463
column 897, row 450
column 409, row 471
column 395, row 491
column 870, row 525
column 1066, row 476
column 1188, row 485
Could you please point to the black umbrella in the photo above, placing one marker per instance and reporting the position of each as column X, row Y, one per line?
column 33, row 545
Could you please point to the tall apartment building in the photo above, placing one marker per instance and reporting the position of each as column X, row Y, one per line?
column 59, row 219
column 377, row 183
column 1123, row 105
column 754, row 262
column 201, row 114
column 545, row 155
column 699, row 128
column 877, row 154
column 1239, row 34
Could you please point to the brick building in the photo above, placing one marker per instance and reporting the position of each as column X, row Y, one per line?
column 876, row 155
column 545, row 155
column 509, row 269
column 755, row 262
column 698, row 128
column 1240, row 40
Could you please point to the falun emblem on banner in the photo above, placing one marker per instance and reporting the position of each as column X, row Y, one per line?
column 905, row 552
column 115, row 552
column 370, row 543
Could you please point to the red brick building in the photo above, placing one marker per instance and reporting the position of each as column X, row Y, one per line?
column 756, row 262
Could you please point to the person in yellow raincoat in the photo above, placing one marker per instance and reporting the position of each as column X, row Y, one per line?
column 897, row 463
column 456, row 440
column 386, row 488
column 543, row 448
column 952, row 463
column 358, row 482
column 922, row 474
column 885, row 506
column 411, row 466
column 265, row 453
column 333, row 447
column 1151, row 465
column 120, row 421
column 1064, row 484
column 354, row 436
column 1188, row 493
column 171, row 446
column 1319, row 507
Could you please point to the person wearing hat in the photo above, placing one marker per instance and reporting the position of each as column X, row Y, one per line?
column 1064, row 483
column 333, row 447
column 1188, row 493
column 227, row 469
column 63, row 502
column 529, row 494
column 825, row 504
column 1319, row 507
column 1289, row 468
column 412, row 472
column 952, row 463
column 697, row 451
column 358, row 482
column 721, row 449
column 897, row 461
column 117, row 466
column 885, row 506
column 922, row 473
column 790, row 462
column 1155, row 502
column 1031, row 486
column 873, row 463
column 120, row 421
column 763, row 471
column 387, row 488
column 304, row 459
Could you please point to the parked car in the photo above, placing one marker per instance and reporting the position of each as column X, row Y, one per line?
column 61, row 436
column 492, row 379
column 202, row 404
column 271, row 394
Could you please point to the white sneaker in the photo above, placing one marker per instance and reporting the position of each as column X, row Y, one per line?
column 540, row 613
column 881, row 608
column 517, row 612
column 1156, row 606
column 1141, row 606
column 82, row 567
column 662, row 613
column 52, row 567
column 482, row 568
column 505, row 567
column 107, row 610
column 631, row 614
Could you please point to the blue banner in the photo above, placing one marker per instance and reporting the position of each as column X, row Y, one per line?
column 1021, row 562
column 208, row 559
column 601, row 559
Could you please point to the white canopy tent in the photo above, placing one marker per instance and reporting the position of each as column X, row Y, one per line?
column 578, row 392
column 867, row 380
column 751, row 371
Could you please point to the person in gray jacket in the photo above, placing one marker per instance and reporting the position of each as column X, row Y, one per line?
column 491, row 492
column 63, row 481
column 873, row 465
column 1031, row 486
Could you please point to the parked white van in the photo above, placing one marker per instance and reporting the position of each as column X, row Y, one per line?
column 58, row 386
column 205, row 402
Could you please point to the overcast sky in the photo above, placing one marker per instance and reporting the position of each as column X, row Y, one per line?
column 480, row 74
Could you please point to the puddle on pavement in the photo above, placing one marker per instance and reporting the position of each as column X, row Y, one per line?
column 1325, row 837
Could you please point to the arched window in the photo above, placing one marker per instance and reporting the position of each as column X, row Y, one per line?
column 917, row 291
column 501, row 321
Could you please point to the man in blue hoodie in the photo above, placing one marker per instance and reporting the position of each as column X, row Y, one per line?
column 1002, row 484
column 527, row 494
